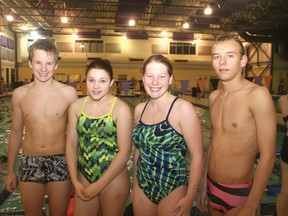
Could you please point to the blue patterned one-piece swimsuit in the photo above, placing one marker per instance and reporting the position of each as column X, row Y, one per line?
column 161, row 166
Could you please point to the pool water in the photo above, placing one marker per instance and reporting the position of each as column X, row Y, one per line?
column 10, row 204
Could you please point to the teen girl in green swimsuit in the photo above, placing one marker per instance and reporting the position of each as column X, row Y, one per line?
column 98, row 146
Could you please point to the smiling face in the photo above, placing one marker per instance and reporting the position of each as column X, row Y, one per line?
column 98, row 83
column 43, row 65
column 227, row 59
column 156, row 79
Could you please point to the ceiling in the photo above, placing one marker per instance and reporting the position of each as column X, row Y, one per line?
column 253, row 19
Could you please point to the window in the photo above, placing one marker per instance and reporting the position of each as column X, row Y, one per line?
column 92, row 46
column 182, row 48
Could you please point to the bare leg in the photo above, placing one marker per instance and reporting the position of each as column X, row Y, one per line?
column 58, row 194
column 282, row 199
column 115, row 193
column 168, row 203
column 32, row 197
column 142, row 206
column 87, row 208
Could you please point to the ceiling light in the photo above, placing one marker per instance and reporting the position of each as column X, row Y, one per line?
column 165, row 39
column 208, row 10
column 132, row 22
column 34, row 34
column 9, row 18
column 186, row 25
column 75, row 36
column 214, row 26
column 24, row 27
column 164, row 33
column 64, row 19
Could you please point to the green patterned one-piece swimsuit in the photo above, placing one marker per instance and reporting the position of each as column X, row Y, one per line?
column 161, row 166
column 97, row 143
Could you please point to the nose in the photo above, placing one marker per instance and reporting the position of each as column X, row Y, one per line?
column 96, row 85
column 154, row 81
column 222, row 60
column 43, row 67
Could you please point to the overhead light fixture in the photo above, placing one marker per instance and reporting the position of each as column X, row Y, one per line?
column 75, row 36
column 208, row 10
column 124, row 37
column 34, row 34
column 165, row 39
column 9, row 18
column 24, row 27
column 64, row 19
column 214, row 26
column 163, row 33
column 186, row 25
column 131, row 22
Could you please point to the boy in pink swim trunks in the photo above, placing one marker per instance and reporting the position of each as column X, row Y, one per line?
column 243, row 124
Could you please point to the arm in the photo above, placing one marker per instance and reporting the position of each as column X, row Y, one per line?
column 263, row 109
column 136, row 150
column 202, row 198
column 72, row 147
column 283, row 105
column 14, row 141
column 123, row 120
column 190, row 124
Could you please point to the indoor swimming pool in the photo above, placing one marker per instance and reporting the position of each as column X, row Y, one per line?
column 10, row 204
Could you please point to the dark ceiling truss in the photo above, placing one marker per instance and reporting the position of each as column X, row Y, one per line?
column 257, row 17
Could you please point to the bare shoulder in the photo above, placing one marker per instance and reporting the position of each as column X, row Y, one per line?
column 138, row 110
column 66, row 88
column 184, row 110
column 283, row 99
column 257, row 92
column 139, row 107
column 259, row 98
column 21, row 91
column 183, row 105
column 77, row 104
column 121, row 105
column 213, row 96
column 66, row 91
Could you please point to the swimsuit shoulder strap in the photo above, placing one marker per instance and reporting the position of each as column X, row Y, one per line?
column 112, row 106
column 85, row 100
column 171, row 108
column 143, row 110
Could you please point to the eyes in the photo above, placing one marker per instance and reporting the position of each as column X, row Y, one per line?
column 162, row 76
column 48, row 63
column 91, row 80
column 228, row 56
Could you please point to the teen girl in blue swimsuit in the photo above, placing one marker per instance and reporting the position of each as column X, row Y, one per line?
column 166, row 129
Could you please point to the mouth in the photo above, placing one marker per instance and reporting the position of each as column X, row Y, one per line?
column 155, row 89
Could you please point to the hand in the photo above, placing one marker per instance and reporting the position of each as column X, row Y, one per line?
column 11, row 182
column 78, row 188
column 184, row 207
column 202, row 201
column 91, row 191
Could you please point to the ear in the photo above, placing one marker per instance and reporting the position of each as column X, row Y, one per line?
column 170, row 80
column 112, row 82
column 30, row 64
column 244, row 60
column 56, row 67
